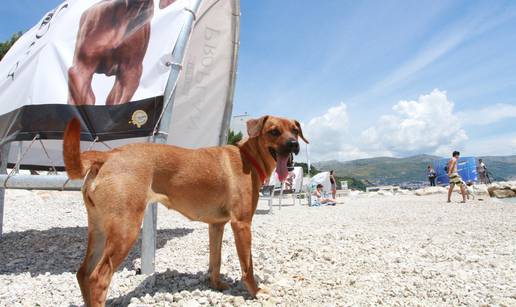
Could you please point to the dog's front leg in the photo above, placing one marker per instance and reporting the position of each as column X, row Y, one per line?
column 216, row 232
column 242, row 233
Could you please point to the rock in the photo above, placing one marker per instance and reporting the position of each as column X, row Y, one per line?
column 169, row 297
column 203, row 300
column 147, row 299
column 238, row 301
column 191, row 303
column 177, row 297
column 197, row 293
column 504, row 193
column 134, row 300
column 285, row 283
column 385, row 193
column 430, row 191
column 502, row 189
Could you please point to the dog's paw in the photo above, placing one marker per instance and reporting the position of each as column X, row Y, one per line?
column 219, row 285
column 263, row 293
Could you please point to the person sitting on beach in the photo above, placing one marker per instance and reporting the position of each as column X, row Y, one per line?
column 318, row 193
column 454, row 176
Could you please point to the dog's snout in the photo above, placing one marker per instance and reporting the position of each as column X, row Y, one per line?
column 293, row 146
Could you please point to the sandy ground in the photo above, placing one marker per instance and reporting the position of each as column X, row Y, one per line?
column 391, row 250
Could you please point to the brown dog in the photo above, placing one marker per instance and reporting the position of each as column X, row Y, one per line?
column 120, row 183
column 112, row 39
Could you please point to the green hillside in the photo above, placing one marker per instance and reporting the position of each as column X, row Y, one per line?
column 385, row 170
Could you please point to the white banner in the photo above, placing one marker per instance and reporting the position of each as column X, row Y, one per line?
column 107, row 62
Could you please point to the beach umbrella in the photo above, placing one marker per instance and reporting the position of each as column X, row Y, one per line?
column 321, row 178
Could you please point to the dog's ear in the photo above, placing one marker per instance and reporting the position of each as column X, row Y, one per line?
column 301, row 132
column 255, row 126
column 164, row 3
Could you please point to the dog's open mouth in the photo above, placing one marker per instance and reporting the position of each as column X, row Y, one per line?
column 282, row 161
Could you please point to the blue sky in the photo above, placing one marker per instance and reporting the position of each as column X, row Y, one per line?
column 371, row 78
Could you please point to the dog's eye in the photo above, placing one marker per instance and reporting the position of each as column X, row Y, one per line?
column 295, row 131
column 275, row 132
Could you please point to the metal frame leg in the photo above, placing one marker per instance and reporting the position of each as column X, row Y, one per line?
column 4, row 153
column 281, row 196
column 161, row 133
column 149, row 232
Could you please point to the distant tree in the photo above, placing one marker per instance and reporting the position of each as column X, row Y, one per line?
column 5, row 46
column 234, row 138
column 313, row 171
column 353, row 183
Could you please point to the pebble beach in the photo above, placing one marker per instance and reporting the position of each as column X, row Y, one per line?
column 396, row 250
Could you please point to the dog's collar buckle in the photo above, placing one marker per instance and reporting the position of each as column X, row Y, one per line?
column 257, row 167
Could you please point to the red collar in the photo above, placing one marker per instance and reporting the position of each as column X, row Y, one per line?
column 255, row 164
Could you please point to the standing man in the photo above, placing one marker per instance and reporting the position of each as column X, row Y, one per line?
column 482, row 171
column 430, row 172
column 454, row 176
column 333, row 182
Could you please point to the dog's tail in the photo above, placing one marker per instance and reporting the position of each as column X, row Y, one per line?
column 77, row 164
column 72, row 150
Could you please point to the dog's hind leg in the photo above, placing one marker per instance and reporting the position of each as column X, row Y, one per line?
column 121, row 233
column 111, row 235
column 216, row 232
column 96, row 242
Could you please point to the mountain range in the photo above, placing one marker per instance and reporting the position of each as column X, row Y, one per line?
column 387, row 170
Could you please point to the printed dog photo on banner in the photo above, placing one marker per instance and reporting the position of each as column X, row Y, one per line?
column 112, row 40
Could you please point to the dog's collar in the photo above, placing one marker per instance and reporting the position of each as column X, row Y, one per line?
column 257, row 167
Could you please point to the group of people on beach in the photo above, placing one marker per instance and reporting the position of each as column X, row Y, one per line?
column 451, row 170
column 456, row 180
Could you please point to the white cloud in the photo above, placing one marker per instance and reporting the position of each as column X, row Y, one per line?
column 488, row 115
column 427, row 125
column 334, row 121
column 329, row 133
column 330, row 138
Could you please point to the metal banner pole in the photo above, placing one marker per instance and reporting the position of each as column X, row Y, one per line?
column 235, row 7
column 149, row 229
column 4, row 153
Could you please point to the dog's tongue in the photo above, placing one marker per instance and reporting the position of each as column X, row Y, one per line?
column 281, row 168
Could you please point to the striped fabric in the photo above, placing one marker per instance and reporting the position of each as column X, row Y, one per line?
column 455, row 179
